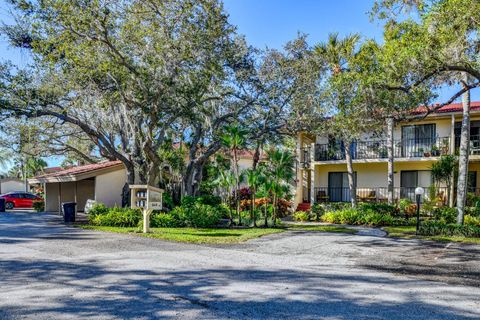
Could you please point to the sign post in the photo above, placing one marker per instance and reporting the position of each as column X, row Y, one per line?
column 148, row 199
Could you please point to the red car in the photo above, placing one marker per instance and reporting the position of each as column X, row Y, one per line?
column 19, row 200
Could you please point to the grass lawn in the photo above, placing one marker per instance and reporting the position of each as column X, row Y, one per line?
column 214, row 235
column 191, row 235
column 325, row 228
column 408, row 232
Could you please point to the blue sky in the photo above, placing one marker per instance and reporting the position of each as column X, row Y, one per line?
column 271, row 23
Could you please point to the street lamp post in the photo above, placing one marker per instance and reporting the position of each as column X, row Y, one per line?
column 419, row 191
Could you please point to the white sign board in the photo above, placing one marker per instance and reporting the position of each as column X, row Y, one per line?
column 154, row 200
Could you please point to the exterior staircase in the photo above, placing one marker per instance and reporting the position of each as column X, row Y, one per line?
column 304, row 206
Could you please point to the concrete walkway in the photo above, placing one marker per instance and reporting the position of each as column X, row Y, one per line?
column 50, row 271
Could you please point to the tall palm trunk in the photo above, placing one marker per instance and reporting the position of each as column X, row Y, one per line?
column 237, row 186
column 229, row 202
column 274, row 209
column 390, row 152
column 252, row 208
column 351, row 179
column 266, row 214
column 463, row 158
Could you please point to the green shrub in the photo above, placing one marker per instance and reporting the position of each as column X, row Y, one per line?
column 471, row 220
column 474, row 211
column 97, row 209
column 329, row 217
column 337, row 206
column 318, row 210
column 39, row 206
column 404, row 204
column 188, row 201
column 397, row 222
column 438, row 228
column 164, row 220
column 197, row 215
column 224, row 211
column 382, row 208
column 301, row 216
column 247, row 216
column 471, row 200
column 210, row 200
column 362, row 217
column 167, row 201
column 346, row 216
column 206, row 199
column 373, row 218
column 445, row 214
column 117, row 217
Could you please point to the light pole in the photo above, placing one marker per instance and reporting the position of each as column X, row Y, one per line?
column 419, row 191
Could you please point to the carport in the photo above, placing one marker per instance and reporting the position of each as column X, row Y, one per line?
column 102, row 182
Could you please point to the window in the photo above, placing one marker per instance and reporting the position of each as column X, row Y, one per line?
column 417, row 139
column 410, row 180
column 338, row 190
column 472, row 181
column 474, row 133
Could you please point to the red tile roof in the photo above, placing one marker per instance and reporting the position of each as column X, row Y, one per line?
column 454, row 107
column 81, row 169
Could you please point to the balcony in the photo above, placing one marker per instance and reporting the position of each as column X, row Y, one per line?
column 376, row 194
column 377, row 149
column 474, row 144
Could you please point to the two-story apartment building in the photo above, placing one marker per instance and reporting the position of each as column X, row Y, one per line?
column 418, row 143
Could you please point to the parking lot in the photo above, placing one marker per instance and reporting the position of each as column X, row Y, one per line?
column 51, row 271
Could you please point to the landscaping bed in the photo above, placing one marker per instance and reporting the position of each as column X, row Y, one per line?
column 437, row 223
column 194, row 235
column 192, row 222
column 408, row 232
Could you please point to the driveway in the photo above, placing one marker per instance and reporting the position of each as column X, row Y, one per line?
column 50, row 271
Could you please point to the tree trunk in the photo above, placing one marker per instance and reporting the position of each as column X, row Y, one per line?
column 351, row 179
column 451, row 188
column 256, row 156
column 390, row 152
column 274, row 210
column 252, row 207
column 463, row 158
column 126, row 187
column 193, row 177
column 237, row 186
column 266, row 213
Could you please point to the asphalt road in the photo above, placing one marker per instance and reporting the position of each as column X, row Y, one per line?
column 49, row 271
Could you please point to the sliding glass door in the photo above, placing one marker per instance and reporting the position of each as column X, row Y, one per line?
column 417, row 139
column 338, row 190
column 408, row 183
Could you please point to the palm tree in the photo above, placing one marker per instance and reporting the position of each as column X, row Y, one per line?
column 234, row 140
column 336, row 53
column 226, row 181
column 265, row 189
column 254, row 181
column 281, row 170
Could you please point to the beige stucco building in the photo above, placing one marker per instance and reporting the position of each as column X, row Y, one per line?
column 321, row 173
column 12, row 184
column 102, row 182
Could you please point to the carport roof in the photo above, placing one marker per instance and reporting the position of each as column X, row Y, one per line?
column 78, row 173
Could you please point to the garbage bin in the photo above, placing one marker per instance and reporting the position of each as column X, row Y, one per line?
column 2, row 205
column 69, row 210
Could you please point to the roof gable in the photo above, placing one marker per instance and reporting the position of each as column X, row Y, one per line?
column 79, row 172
